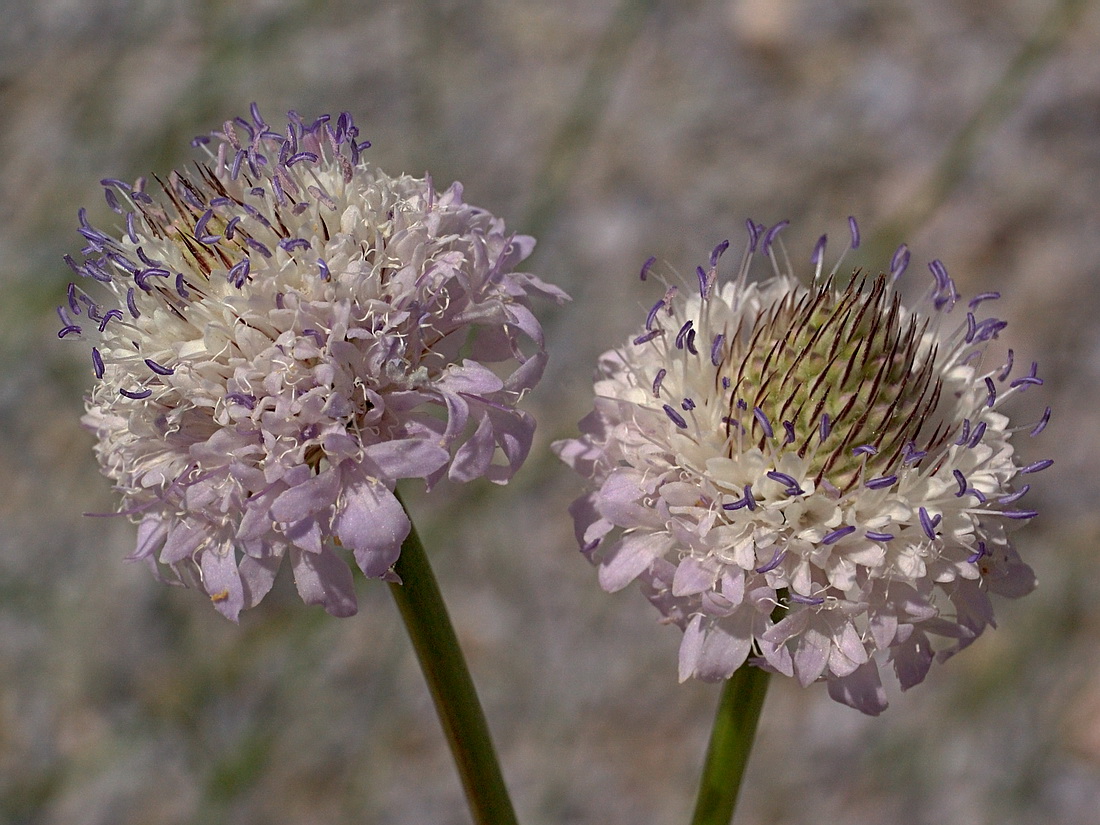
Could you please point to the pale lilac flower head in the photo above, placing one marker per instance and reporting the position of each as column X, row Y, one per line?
column 817, row 477
column 281, row 334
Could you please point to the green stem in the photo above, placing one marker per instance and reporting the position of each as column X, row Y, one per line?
column 433, row 637
column 730, row 744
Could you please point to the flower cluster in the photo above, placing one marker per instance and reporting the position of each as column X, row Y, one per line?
column 815, row 476
column 281, row 335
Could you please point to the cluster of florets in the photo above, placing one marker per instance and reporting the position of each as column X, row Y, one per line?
column 816, row 479
column 279, row 337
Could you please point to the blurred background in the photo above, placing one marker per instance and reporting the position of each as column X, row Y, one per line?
column 613, row 130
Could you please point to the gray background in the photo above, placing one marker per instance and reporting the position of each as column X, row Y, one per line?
column 613, row 131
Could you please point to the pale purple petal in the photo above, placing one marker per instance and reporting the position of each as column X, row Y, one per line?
column 222, row 581
column 323, row 578
column 371, row 523
column 407, row 457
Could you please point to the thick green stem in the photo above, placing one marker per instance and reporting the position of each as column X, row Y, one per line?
column 730, row 743
column 425, row 616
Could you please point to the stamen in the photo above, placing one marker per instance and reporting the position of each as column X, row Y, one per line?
column 927, row 523
column 853, row 228
column 661, row 373
column 653, row 313
column 874, row 535
column 764, row 423
column 992, row 392
column 1003, row 374
column 716, row 349
column 788, row 426
column 769, row 236
column 687, row 404
column 682, row 334
column 811, row 600
column 1037, row 466
column 837, row 534
column 1014, row 497
column 136, row 395
column 1042, row 425
column 881, row 482
column 676, row 418
column 961, row 479
column 646, row 337
column 900, row 262
column 158, row 368
column 776, row 558
column 97, row 363
column 718, row 251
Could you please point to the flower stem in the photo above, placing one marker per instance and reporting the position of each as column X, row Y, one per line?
column 730, row 743
column 433, row 637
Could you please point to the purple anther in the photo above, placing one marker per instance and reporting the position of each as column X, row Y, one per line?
column 716, row 349
column 1037, row 466
column 989, row 328
column 1027, row 380
column 122, row 262
column 900, row 262
column 750, row 499
column 853, row 228
column 280, row 303
column 825, row 427
column 961, row 480
column 983, row 296
column 837, row 534
column 235, row 169
column 316, row 335
column 741, row 405
column 701, row 274
column 277, row 187
column 200, row 224
column 964, row 434
column 726, row 382
column 1003, row 374
column 939, row 272
column 97, row 363
column 875, row 535
column 880, row 482
column 770, row 235
column 992, row 399
column 810, row 600
column 754, row 234
column 300, row 156
column 323, row 269
column 1042, row 425
column 259, row 247
column 68, row 329
column 111, row 314
column 1012, row 498
column 911, row 454
column 112, row 201
column 131, row 303
column 1017, row 514
column 971, row 327
column 131, row 232
column 675, row 417
column 763, row 419
column 137, row 396
column 682, row 334
column 248, row 401
column 788, row 427
column 976, row 436
column 74, row 304
column 72, row 265
column 661, row 373
column 238, row 273
column 718, row 251
column 689, row 342
column 141, row 277
column 864, row 449
column 926, row 523
column 736, row 505
column 652, row 316
column 646, row 337
column 159, row 369
column 819, row 250
column 231, row 227
column 776, row 558
column 688, row 404
column 181, row 290
column 792, row 488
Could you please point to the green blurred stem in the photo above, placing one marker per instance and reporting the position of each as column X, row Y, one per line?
column 730, row 743
column 433, row 637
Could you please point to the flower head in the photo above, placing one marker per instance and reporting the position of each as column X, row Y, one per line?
column 816, row 476
column 280, row 335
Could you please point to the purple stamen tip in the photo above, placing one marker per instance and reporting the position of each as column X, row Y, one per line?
column 157, row 368
column 989, row 385
column 97, row 363
column 749, row 497
column 688, row 404
column 819, row 250
column 864, row 449
column 675, row 417
column 764, row 423
column 136, row 395
column 646, row 337
column 926, row 523
column 900, row 262
column 652, row 316
column 853, row 227
column 789, row 428
column 754, row 234
column 810, row 600
column 1042, row 425
column 682, row 334
column 1037, row 466
column 776, row 558
column 716, row 349
column 718, row 252
column 661, row 373
column 961, row 479
column 880, row 482
column 874, row 535
column 825, row 427
column 1019, row 514
column 770, row 235
column 837, row 534
column 649, row 262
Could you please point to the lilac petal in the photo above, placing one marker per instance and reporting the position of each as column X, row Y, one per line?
column 691, row 578
column 691, row 646
column 527, row 374
column 407, row 457
column 630, row 557
column 847, row 652
column 152, row 532
column 588, row 526
column 257, row 577
column 303, row 500
column 222, row 581
column 912, row 660
column 323, row 578
column 371, row 523
column 619, row 497
column 811, row 656
column 861, row 690
column 514, row 431
column 471, row 378
column 722, row 654
column 473, row 458
column 183, row 540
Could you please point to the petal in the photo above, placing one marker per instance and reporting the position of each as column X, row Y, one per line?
column 690, row 647
column 371, row 523
column 630, row 557
column 311, row 496
column 861, row 690
column 323, row 578
column 407, row 457
column 222, row 581
column 723, row 652
column 257, row 577
column 473, row 458
column 692, row 577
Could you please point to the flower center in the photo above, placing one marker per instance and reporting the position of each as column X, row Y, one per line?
column 838, row 376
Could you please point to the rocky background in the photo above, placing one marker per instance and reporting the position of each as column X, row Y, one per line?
column 613, row 130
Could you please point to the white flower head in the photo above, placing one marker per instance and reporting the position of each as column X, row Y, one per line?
column 817, row 477
column 283, row 333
